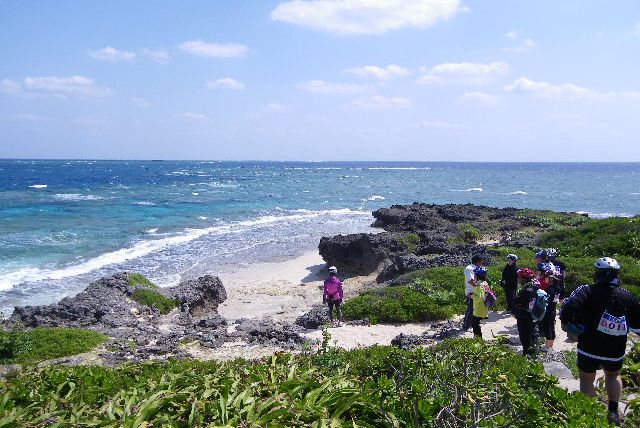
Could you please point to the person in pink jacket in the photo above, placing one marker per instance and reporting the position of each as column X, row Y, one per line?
column 333, row 294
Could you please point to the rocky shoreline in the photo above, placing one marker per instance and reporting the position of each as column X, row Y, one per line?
column 413, row 237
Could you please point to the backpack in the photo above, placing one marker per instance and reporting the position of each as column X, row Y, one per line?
column 539, row 305
column 490, row 298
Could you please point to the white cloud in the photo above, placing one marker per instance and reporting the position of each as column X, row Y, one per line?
column 111, row 55
column 377, row 102
column 479, row 97
column 511, row 35
column 517, row 45
column 54, row 86
column 275, row 108
column 564, row 90
column 435, row 124
column 28, row 117
column 160, row 56
column 141, row 102
column 470, row 73
column 364, row 16
column 636, row 30
column 382, row 73
column 322, row 87
column 214, row 50
column 600, row 33
column 193, row 116
column 226, row 83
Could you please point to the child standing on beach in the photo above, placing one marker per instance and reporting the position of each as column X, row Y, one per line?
column 480, row 309
column 333, row 294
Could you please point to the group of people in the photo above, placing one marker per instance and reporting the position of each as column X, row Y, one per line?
column 598, row 316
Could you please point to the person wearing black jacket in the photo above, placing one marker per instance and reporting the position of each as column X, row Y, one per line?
column 527, row 293
column 601, row 315
column 552, row 256
column 509, row 281
column 549, row 277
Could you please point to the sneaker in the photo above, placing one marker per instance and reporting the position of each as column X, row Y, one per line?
column 614, row 418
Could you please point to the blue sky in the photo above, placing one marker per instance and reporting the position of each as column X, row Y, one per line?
column 431, row 80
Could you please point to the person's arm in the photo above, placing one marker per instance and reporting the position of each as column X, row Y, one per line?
column 634, row 316
column 340, row 290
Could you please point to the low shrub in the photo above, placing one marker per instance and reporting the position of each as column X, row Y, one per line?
column 40, row 344
column 613, row 237
column 137, row 279
column 405, row 303
column 152, row 298
column 458, row 383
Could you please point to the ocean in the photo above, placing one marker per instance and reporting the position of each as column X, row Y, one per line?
column 65, row 223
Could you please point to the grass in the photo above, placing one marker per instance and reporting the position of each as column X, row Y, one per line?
column 152, row 298
column 31, row 346
column 458, row 383
column 137, row 279
column 410, row 242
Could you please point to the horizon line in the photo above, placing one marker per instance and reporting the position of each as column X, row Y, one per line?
column 308, row 161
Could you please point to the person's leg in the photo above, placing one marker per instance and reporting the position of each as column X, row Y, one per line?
column 586, row 383
column 330, row 303
column 511, row 296
column 339, row 310
column 468, row 315
column 613, row 385
column 477, row 331
column 525, row 331
column 587, row 367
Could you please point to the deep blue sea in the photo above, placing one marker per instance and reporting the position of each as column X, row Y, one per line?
column 66, row 223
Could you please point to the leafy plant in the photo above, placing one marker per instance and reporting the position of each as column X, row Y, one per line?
column 458, row 383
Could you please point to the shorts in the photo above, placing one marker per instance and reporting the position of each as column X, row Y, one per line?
column 590, row 364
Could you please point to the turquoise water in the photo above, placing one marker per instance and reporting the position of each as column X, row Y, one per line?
column 65, row 223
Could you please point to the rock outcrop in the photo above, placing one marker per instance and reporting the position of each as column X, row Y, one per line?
column 419, row 236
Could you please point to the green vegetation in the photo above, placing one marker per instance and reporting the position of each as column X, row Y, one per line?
column 410, row 242
column 611, row 237
column 427, row 294
column 405, row 303
column 552, row 219
column 458, row 383
column 469, row 233
column 137, row 279
column 152, row 298
column 31, row 346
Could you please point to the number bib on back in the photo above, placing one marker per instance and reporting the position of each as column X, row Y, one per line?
column 613, row 326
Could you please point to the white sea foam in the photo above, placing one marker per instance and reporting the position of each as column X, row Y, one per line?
column 376, row 198
column 473, row 189
column 152, row 231
column 195, row 193
column 144, row 247
column 399, row 168
column 328, row 167
column 518, row 192
column 38, row 186
column 145, row 203
column 203, row 217
column 77, row 197
column 604, row 214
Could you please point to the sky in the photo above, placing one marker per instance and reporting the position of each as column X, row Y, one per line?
column 312, row 80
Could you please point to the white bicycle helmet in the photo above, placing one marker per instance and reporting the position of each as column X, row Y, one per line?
column 607, row 263
column 333, row 269
column 512, row 257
